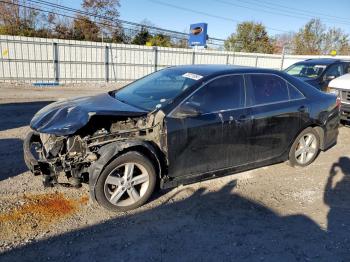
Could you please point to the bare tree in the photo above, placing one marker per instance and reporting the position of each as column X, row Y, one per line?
column 17, row 20
column 106, row 14
column 309, row 38
column 283, row 41
column 336, row 39
column 315, row 39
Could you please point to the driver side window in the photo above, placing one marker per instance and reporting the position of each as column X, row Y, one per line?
column 335, row 70
column 224, row 93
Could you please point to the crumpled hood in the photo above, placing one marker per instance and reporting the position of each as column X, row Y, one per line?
column 68, row 116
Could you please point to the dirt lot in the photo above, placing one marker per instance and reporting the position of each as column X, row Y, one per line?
column 273, row 213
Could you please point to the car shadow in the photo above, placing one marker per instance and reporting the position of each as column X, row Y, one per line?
column 208, row 226
column 14, row 115
column 11, row 158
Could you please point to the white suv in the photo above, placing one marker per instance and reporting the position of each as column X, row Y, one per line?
column 341, row 87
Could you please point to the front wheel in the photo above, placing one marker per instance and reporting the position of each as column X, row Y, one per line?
column 305, row 148
column 126, row 183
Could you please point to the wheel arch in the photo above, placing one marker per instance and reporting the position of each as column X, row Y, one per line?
column 111, row 151
column 319, row 130
column 321, row 133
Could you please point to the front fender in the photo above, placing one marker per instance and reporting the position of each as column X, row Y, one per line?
column 108, row 152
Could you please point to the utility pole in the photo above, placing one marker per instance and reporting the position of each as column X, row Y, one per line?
column 282, row 56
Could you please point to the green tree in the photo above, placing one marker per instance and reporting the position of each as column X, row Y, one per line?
column 250, row 37
column 160, row 40
column 142, row 37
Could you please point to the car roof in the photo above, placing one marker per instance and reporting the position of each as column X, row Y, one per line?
column 210, row 70
column 322, row 61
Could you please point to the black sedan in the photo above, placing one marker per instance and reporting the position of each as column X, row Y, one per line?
column 180, row 125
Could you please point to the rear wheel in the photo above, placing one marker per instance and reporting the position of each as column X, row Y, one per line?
column 126, row 183
column 305, row 148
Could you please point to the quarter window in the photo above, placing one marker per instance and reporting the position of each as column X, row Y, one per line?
column 265, row 89
column 294, row 93
column 224, row 93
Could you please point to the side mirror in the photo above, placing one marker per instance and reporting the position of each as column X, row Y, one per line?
column 329, row 78
column 187, row 110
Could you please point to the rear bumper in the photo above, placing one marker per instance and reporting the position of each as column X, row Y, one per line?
column 330, row 130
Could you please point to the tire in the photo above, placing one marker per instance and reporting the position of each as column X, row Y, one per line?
column 309, row 150
column 344, row 123
column 126, row 183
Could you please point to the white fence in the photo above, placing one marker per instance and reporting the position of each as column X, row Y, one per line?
column 44, row 60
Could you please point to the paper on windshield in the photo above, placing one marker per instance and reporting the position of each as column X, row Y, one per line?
column 192, row 76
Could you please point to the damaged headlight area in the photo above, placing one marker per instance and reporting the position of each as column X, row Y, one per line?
column 52, row 155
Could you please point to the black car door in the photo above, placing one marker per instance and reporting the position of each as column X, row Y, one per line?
column 216, row 137
column 276, row 117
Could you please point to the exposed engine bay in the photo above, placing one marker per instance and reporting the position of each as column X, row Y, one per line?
column 72, row 155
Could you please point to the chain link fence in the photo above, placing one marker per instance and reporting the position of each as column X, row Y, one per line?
column 52, row 61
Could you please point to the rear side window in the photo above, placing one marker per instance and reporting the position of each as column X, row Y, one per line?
column 335, row 70
column 346, row 68
column 266, row 89
column 224, row 93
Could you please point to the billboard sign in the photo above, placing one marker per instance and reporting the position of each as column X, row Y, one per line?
column 198, row 34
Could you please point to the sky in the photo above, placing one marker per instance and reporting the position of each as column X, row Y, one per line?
column 222, row 16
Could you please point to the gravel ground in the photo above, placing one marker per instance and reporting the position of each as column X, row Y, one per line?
column 273, row 213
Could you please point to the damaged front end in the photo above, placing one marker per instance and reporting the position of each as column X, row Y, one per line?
column 52, row 155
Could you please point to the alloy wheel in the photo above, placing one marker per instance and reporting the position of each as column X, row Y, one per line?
column 126, row 184
column 306, row 148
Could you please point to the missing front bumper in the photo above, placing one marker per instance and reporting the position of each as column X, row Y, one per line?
column 35, row 166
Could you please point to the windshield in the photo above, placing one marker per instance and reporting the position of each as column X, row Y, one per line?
column 157, row 89
column 306, row 70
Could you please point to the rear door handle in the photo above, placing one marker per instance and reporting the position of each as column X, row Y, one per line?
column 243, row 118
column 302, row 109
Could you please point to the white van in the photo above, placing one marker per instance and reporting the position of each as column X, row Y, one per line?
column 341, row 87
